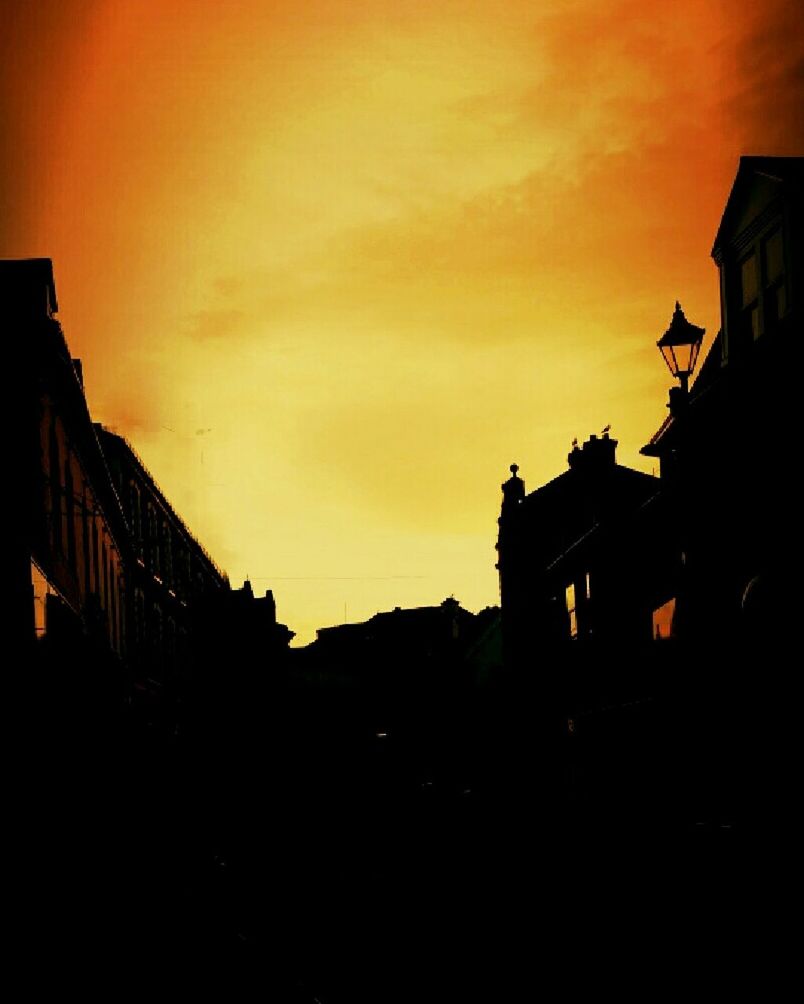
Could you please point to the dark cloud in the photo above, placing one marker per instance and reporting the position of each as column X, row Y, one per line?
column 766, row 103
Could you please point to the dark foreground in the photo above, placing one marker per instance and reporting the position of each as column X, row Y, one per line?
column 335, row 861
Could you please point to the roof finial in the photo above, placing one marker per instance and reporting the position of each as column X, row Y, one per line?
column 513, row 489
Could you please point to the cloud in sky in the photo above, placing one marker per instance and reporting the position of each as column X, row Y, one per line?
column 381, row 250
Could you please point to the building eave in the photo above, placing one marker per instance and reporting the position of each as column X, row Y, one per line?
column 125, row 446
column 651, row 448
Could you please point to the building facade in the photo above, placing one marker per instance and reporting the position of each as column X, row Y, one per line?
column 169, row 573
column 70, row 575
column 728, row 449
column 106, row 574
column 563, row 575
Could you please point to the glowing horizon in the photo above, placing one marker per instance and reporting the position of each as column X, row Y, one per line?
column 378, row 252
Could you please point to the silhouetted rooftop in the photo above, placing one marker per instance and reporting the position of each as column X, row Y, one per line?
column 107, row 438
column 565, row 486
column 786, row 170
column 392, row 625
column 555, row 516
column 22, row 279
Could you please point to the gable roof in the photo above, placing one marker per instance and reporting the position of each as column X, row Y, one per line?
column 783, row 170
column 571, row 484
column 552, row 518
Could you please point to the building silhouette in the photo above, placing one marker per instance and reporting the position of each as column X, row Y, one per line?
column 170, row 572
column 102, row 562
column 580, row 573
column 648, row 618
column 563, row 575
column 142, row 696
column 407, row 649
column 645, row 626
column 728, row 449
column 703, row 552
column 70, row 579
column 106, row 576
column 239, row 651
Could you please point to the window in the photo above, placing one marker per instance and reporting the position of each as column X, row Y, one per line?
column 749, row 286
column 55, row 488
column 85, row 543
column 170, row 642
column 167, row 556
column 41, row 590
column 139, row 616
column 663, row 620
column 748, row 280
column 95, row 557
column 571, row 611
column 775, row 290
column 136, row 517
column 112, row 603
column 156, row 635
column 182, row 570
column 69, row 506
column 774, row 257
column 104, row 571
column 154, row 564
column 762, row 296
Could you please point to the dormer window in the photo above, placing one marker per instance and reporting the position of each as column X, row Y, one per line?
column 775, row 291
column 749, row 285
column 753, row 248
column 763, row 290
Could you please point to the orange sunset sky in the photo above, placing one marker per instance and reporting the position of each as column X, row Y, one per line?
column 333, row 265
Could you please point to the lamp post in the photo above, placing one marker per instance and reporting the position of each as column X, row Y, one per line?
column 680, row 346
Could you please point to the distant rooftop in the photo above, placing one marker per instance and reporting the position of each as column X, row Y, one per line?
column 27, row 286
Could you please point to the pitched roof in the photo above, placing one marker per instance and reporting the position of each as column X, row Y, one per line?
column 784, row 170
column 567, row 486
column 555, row 516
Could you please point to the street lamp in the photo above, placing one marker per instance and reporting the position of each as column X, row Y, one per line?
column 680, row 346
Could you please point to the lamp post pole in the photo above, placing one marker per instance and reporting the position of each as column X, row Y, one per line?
column 680, row 346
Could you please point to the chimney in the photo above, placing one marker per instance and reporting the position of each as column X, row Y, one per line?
column 595, row 456
column 270, row 605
